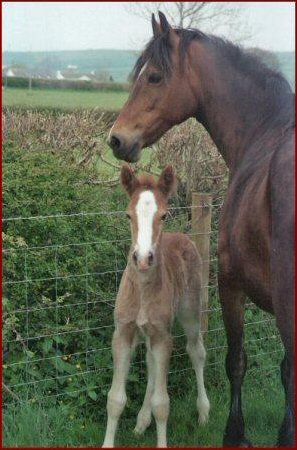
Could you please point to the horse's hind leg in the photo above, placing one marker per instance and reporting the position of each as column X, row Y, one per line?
column 145, row 414
column 285, row 319
column 197, row 354
column 233, row 301
column 286, row 437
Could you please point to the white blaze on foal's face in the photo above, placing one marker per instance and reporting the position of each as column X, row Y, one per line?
column 146, row 209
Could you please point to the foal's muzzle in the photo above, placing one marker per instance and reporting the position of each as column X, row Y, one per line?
column 143, row 264
column 123, row 149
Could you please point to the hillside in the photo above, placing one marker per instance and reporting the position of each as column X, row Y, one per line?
column 118, row 63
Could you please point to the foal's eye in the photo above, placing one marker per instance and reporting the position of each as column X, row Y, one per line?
column 163, row 217
column 154, row 78
column 128, row 216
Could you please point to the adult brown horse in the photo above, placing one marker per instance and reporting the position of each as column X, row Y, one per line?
column 248, row 109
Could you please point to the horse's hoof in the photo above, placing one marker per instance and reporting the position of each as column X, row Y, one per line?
column 287, row 443
column 239, row 443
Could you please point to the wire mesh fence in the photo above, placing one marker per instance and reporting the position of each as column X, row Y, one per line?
column 59, row 295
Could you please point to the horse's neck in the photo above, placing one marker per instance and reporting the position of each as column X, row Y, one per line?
column 232, row 108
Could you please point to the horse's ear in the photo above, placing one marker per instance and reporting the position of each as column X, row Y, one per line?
column 156, row 27
column 167, row 182
column 128, row 179
column 164, row 25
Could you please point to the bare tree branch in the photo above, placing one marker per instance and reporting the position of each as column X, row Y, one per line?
column 225, row 18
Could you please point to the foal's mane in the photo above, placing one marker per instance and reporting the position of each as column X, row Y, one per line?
column 158, row 52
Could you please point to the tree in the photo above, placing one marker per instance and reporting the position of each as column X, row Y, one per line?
column 223, row 18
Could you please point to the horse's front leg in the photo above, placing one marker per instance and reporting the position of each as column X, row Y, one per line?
column 233, row 303
column 161, row 348
column 123, row 342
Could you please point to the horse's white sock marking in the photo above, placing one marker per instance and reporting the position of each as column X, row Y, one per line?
column 145, row 209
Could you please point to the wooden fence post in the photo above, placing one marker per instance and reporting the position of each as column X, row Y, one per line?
column 201, row 230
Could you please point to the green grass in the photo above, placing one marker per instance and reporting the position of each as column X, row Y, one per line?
column 36, row 425
column 64, row 99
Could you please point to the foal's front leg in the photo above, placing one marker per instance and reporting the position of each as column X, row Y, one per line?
column 161, row 347
column 122, row 348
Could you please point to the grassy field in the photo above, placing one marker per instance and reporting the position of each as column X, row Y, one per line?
column 64, row 99
column 36, row 425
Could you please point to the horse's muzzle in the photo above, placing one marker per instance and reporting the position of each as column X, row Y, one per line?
column 124, row 150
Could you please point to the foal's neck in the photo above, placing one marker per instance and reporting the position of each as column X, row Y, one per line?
column 151, row 281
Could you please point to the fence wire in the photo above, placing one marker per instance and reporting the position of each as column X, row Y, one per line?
column 59, row 297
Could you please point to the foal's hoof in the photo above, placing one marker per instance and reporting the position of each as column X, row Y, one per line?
column 143, row 422
column 239, row 443
column 203, row 411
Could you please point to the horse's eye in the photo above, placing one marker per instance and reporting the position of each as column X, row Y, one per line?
column 154, row 78
column 128, row 216
column 163, row 217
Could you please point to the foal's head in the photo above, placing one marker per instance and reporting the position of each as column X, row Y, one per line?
column 162, row 94
column 147, row 211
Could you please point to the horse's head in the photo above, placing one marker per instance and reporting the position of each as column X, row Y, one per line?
column 147, row 211
column 162, row 94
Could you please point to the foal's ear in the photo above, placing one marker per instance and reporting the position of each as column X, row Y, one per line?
column 128, row 179
column 167, row 182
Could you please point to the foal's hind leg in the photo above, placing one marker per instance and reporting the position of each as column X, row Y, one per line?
column 145, row 414
column 233, row 302
column 197, row 354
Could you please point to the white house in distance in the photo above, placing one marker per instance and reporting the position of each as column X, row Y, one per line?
column 70, row 74
column 59, row 75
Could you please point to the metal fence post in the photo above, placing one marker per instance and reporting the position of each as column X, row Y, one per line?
column 201, row 229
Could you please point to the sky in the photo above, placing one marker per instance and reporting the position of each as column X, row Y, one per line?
column 41, row 26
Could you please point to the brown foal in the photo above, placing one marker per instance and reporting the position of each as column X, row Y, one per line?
column 161, row 282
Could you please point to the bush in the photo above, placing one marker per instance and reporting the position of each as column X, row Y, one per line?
column 40, row 183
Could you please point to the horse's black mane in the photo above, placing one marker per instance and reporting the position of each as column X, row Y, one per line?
column 158, row 53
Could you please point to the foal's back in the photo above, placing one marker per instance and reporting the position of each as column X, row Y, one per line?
column 182, row 260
